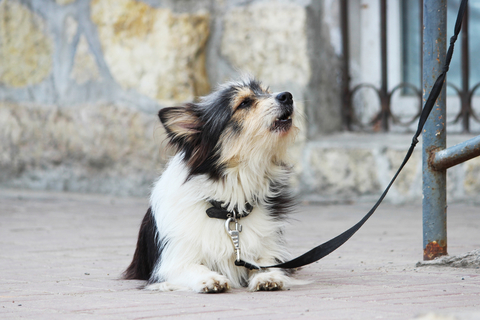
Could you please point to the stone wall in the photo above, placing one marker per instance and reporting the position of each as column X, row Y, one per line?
column 81, row 81
column 345, row 167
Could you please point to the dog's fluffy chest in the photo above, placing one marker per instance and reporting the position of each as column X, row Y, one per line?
column 179, row 209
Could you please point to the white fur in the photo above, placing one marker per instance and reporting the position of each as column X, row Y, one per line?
column 198, row 252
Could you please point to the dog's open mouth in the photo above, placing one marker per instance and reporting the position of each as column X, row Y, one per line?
column 283, row 123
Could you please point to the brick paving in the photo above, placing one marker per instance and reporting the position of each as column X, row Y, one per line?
column 62, row 254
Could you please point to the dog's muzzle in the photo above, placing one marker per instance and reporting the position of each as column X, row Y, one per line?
column 283, row 122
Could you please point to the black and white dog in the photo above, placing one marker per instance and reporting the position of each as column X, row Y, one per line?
column 230, row 153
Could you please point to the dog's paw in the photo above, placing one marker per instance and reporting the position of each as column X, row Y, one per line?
column 213, row 283
column 268, row 281
column 268, row 286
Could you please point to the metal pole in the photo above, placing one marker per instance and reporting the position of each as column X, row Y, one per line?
column 434, row 134
column 457, row 154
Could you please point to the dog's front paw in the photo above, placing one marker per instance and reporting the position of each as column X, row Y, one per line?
column 268, row 281
column 268, row 286
column 213, row 283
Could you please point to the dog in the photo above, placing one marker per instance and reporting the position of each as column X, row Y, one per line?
column 230, row 156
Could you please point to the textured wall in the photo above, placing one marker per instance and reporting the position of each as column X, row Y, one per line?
column 355, row 166
column 81, row 81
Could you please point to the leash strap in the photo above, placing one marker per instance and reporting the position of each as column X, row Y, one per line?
column 328, row 247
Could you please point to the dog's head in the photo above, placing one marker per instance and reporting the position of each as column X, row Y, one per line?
column 240, row 123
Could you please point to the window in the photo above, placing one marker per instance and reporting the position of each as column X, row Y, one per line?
column 404, row 60
column 411, row 43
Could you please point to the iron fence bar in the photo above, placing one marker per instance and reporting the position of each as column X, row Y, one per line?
column 347, row 111
column 383, row 92
column 446, row 158
column 420, row 18
column 464, row 98
column 465, row 93
column 434, row 133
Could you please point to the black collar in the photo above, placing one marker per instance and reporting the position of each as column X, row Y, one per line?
column 219, row 212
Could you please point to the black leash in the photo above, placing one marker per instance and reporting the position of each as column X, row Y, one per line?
column 328, row 247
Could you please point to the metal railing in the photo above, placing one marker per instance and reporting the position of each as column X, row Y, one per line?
column 436, row 158
column 465, row 93
column 384, row 117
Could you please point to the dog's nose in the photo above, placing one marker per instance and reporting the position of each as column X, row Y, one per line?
column 285, row 97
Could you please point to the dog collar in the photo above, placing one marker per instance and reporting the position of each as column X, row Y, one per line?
column 219, row 212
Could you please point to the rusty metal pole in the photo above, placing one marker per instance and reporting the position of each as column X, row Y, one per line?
column 457, row 154
column 434, row 133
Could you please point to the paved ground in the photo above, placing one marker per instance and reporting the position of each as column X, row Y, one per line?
column 62, row 254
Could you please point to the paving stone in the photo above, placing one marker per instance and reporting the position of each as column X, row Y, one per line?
column 62, row 255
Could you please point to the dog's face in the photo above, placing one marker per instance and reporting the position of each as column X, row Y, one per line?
column 240, row 122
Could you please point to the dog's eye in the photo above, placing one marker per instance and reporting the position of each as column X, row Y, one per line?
column 245, row 104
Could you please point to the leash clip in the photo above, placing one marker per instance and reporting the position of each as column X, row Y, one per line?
column 234, row 234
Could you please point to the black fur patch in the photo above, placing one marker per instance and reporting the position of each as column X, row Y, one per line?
column 279, row 206
column 282, row 203
column 215, row 116
column 256, row 87
column 147, row 252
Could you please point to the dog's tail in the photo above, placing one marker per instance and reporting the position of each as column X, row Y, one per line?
column 147, row 252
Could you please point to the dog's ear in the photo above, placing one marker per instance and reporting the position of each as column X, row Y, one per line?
column 186, row 131
column 181, row 123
